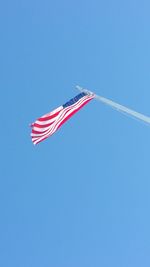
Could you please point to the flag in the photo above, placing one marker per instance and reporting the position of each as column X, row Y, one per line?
column 48, row 124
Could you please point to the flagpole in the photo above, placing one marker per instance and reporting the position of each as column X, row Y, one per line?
column 118, row 107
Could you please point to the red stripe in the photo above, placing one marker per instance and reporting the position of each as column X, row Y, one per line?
column 42, row 126
column 49, row 117
column 38, row 132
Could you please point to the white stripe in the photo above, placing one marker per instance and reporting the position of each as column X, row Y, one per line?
column 52, row 112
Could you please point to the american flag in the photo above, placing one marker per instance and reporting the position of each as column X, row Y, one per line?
column 48, row 124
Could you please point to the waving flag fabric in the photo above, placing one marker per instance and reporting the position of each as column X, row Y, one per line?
column 48, row 124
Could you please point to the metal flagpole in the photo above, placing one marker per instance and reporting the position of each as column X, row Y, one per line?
column 117, row 106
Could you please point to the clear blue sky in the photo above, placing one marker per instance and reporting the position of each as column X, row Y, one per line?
column 82, row 197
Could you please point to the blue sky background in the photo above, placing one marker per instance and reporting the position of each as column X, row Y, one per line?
column 82, row 197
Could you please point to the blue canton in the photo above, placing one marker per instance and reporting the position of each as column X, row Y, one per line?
column 74, row 100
